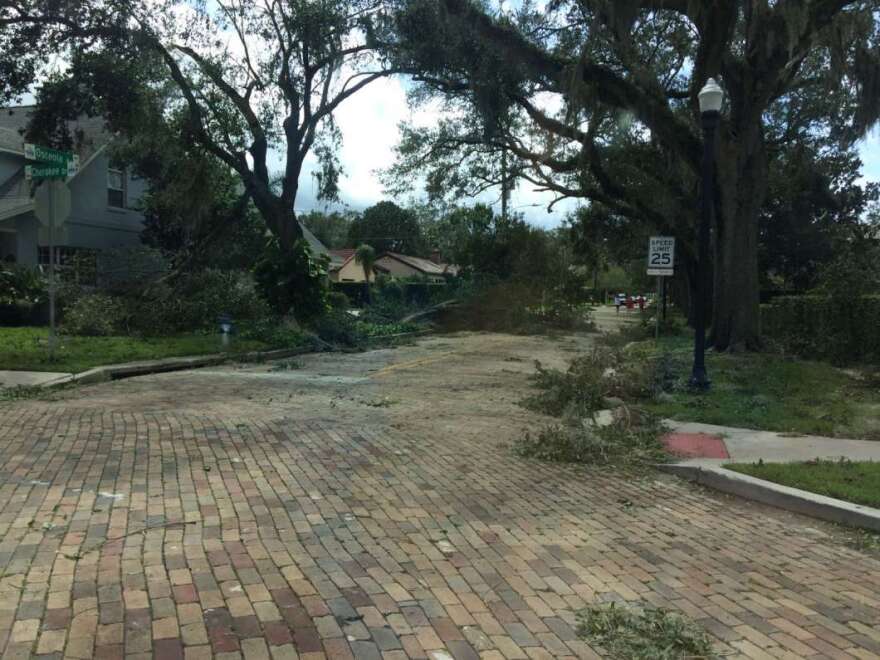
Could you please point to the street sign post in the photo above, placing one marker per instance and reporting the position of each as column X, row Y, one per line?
column 661, row 263
column 52, row 205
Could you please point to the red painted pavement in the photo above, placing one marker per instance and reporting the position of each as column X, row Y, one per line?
column 695, row 445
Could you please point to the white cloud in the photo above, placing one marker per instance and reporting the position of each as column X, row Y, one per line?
column 869, row 151
column 369, row 123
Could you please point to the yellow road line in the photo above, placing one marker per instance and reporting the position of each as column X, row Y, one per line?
column 411, row 364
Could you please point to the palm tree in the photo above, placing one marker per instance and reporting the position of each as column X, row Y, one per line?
column 365, row 255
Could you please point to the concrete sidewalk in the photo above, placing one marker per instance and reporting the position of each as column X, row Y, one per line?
column 749, row 446
column 31, row 378
column 705, row 448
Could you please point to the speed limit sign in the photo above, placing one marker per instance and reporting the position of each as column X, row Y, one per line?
column 661, row 256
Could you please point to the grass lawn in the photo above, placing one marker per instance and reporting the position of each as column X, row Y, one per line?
column 25, row 349
column 857, row 482
column 767, row 392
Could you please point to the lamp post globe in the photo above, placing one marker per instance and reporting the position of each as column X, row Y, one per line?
column 711, row 98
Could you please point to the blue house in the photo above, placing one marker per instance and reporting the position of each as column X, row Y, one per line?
column 104, row 200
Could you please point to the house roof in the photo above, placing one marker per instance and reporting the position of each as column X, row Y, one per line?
column 89, row 134
column 342, row 255
column 338, row 258
column 317, row 246
column 425, row 266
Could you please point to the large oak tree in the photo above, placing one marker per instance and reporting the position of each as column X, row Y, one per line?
column 627, row 74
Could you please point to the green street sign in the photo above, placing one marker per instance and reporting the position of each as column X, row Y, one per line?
column 40, row 172
column 47, row 155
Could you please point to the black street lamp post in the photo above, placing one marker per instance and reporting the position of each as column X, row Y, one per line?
column 711, row 97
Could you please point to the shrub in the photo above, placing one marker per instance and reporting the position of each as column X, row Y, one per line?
column 519, row 308
column 293, row 281
column 842, row 330
column 384, row 329
column 195, row 300
column 338, row 300
column 22, row 285
column 649, row 634
column 276, row 334
column 339, row 328
column 96, row 315
column 22, row 290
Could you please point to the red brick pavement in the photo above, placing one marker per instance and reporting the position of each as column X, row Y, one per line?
column 136, row 535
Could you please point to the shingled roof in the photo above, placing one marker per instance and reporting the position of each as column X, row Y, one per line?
column 89, row 134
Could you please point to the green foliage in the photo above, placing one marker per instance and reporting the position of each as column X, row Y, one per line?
column 842, row 329
column 853, row 481
column 338, row 300
column 648, row 634
column 814, row 200
column 763, row 391
column 26, row 348
column 21, row 285
column 388, row 228
column 273, row 332
column 517, row 307
column 293, row 281
column 195, row 301
column 96, row 315
column 576, row 395
column 371, row 330
column 339, row 328
column 582, row 389
column 620, row 444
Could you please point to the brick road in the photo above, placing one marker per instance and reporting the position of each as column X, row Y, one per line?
column 140, row 531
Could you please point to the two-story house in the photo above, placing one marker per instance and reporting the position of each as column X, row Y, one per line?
column 104, row 200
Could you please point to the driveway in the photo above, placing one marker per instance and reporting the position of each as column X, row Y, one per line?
column 368, row 505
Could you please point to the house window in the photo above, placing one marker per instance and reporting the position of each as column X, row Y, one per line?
column 73, row 264
column 116, row 188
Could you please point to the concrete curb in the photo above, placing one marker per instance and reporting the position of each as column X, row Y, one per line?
column 783, row 497
column 129, row 369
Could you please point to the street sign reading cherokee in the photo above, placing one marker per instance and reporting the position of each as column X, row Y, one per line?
column 45, row 172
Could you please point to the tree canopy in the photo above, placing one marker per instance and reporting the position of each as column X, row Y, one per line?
column 599, row 99
column 386, row 227
column 251, row 76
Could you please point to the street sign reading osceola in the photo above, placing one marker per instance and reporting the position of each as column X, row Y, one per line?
column 50, row 163
column 46, row 155
column 661, row 256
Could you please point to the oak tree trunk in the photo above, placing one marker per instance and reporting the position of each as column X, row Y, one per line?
column 278, row 214
column 741, row 185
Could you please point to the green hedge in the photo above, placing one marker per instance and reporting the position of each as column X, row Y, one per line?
column 844, row 331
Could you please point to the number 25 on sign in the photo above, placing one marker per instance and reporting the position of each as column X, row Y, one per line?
column 661, row 255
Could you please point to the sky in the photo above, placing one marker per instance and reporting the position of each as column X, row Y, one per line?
column 369, row 125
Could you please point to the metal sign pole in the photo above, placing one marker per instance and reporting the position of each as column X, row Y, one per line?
column 665, row 286
column 52, row 184
column 657, row 308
